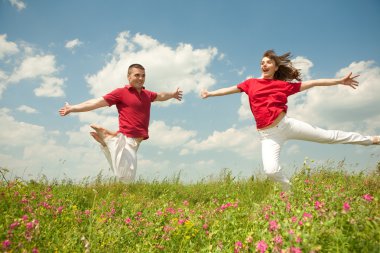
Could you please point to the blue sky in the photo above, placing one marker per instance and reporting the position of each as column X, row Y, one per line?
column 57, row 51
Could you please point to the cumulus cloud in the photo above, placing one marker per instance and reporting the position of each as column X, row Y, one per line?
column 243, row 141
column 165, row 136
column 341, row 107
column 27, row 109
column 27, row 65
column 166, row 67
column 19, row 4
column 7, row 47
column 303, row 64
column 50, row 87
column 72, row 44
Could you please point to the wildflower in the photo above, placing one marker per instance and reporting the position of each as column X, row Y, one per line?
column 59, row 209
column 205, row 226
column 14, row 225
column 249, row 239
column 35, row 250
column 181, row 221
column 368, row 197
column 346, row 206
column 298, row 239
column 6, row 244
column 25, row 217
column 307, row 215
column 29, row 225
column 318, row 205
column 159, row 213
column 295, row 250
column 261, row 246
column 278, row 240
column 238, row 246
column 127, row 220
column 185, row 203
column 273, row 226
column 87, row 212
column 294, row 219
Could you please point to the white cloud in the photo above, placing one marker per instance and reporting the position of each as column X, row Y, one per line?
column 72, row 44
column 14, row 133
column 244, row 109
column 19, row 4
column 34, row 66
column 50, row 87
column 166, row 68
column 340, row 107
column 304, row 65
column 29, row 65
column 6, row 47
column 164, row 136
column 244, row 141
column 27, row 109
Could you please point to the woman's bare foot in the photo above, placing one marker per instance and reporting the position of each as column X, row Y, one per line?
column 376, row 140
column 101, row 134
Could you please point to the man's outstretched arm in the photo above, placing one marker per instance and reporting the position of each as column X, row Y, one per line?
column 86, row 106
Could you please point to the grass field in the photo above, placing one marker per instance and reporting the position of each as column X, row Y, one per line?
column 327, row 210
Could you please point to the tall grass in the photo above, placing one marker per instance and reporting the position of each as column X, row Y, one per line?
column 327, row 210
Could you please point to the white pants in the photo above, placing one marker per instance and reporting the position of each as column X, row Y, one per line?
column 289, row 128
column 121, row 153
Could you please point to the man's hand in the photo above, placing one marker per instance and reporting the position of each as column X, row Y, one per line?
column 65, row 110
column 178, row 94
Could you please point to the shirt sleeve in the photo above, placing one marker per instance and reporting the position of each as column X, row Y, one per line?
column 294, row 88
column 244, row 85
column 152, row 95
column 113, row 97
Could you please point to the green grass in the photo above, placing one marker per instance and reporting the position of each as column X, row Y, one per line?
column 328, row 210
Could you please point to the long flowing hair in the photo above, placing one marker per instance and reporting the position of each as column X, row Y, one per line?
column 286, row 71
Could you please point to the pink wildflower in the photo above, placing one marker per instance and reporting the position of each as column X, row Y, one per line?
column 185, row 203
column 307, row 215
column 368, row 197
column 205, row 226
column 346, row 206
column 87, row 212
column 261, row 246
column 295, row 250
column 35, row 250
column 181, row 221
column 278, row 240
column 238, row 246
column 29, row 225
column 294, row 219
column 127, row 220
column 59, row 209
column 25, row 217
column 159, row 213
column 273, row 226
column 318, row 205
column 6, row 244
column 14, row 225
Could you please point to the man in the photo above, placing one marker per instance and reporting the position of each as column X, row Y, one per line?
column 133, row 103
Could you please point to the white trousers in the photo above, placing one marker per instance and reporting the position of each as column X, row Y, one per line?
column 121, row 154
column 288, row 128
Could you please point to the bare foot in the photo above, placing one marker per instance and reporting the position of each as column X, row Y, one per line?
column 98, row 139
column 376, row 140
column 101, row 134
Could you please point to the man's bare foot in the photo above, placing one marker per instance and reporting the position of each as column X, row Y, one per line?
column 101, row 134
column 98, row 139
column 376, row 140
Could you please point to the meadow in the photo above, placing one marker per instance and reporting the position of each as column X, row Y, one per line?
column 327, row 210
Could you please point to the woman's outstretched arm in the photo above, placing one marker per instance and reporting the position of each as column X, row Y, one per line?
column 348, row 80
column 220, row 92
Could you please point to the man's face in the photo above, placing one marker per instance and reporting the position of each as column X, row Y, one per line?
column 136, row 78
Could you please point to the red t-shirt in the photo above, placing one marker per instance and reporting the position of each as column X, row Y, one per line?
column 133, row 108
column 268, row 98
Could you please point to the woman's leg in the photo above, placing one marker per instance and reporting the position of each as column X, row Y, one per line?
column 270, row 151
column 299, row 130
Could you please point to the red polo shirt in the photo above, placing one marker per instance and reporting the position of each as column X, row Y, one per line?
column 133, row 109
column 268, row 98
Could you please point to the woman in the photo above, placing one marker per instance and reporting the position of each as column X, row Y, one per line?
column 268, row 98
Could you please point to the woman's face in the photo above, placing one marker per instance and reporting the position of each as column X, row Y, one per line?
column 268, row 68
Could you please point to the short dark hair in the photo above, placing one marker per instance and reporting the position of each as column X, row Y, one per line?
column 136, row 66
